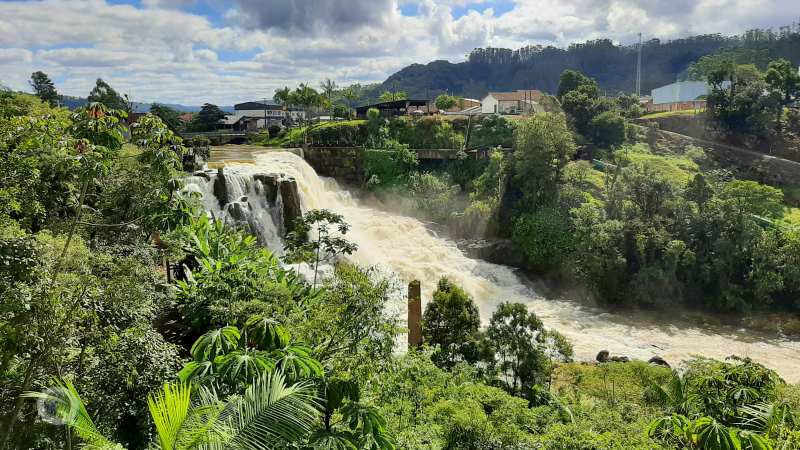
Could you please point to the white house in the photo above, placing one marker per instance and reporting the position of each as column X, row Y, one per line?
column 517, row 102
column 267, row 113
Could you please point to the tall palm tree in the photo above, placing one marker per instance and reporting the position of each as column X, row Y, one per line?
column 351, row 94
column 328, row 87
column 268, row 415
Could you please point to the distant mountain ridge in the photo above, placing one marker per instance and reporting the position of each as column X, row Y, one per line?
column 139, row 107
column 613, row 66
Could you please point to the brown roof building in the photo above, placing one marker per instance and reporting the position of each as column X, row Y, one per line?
column 515, row 102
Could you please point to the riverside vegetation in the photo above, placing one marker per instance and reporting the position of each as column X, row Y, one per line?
column 587, row 200
column 102, row 348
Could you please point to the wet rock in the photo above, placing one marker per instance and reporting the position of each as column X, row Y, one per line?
column 602, row 356
column 291, row 201
column 221, row 188
column 659, row 361
column 239, row 212
column 622, row 359
column 498, row 251
column 269, row 181
column 202, row 174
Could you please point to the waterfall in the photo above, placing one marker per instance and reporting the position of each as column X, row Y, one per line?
column 406, row 247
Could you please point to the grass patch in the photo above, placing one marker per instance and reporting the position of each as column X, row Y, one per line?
column 677, row 168
column 295, row 135
column 613, row 382
column 791, row 217
column 687, row 112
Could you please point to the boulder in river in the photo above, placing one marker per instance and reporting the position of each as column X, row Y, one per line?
column 497, row 251
column 239, row 211
column 602, row 356
column 659, row 361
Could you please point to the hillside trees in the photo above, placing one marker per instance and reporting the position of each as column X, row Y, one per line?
column 543, row 145
column 743, row 100
column 167, row 115
column 44, row 88
column 103, row 93
column 83, row 312
column 595, row 118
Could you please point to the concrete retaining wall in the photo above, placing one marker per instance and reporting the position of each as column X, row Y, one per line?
column 345, row 164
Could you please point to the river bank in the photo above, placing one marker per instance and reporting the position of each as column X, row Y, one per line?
column 411, row 250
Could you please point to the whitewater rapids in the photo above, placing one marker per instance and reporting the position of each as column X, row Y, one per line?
column 408, row 248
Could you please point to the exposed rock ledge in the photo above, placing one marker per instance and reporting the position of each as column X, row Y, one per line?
column 496, row 251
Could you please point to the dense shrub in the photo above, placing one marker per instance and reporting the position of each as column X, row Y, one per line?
column 546, row 238
column 426, row 132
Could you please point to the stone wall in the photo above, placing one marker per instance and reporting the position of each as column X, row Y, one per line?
column 345, row 164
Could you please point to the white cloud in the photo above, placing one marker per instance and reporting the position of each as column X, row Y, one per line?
column 159, row 52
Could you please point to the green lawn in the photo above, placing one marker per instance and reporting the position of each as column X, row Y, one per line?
column 688, row 112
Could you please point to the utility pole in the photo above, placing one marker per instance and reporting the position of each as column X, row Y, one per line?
column 639, row 68
column 265, row 112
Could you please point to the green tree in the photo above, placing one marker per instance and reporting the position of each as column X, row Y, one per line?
column 782, row 76
column 301, row 247
column 328, row 89
column 521, row 351
column 389, row 96
column 105, row 94
column 351, row 94
column 572, row 80
column 608, row 129
column 219, row 262
column 445, row 102
column 545, row 237
column 230, row 358
column 44, row 88
column 450, row 323
column 542, row 147
column 208, row 118
column 168, row 115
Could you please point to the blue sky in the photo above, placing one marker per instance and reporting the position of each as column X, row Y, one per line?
column 196, row 51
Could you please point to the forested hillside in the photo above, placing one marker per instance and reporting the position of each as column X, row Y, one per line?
column 613, row 66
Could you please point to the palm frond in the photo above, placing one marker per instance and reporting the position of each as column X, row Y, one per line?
column 333, row 440
column 169, row 409
column 66, row 405
column 271, row 414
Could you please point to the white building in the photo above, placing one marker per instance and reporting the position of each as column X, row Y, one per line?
column 517, row 102
column 680, row 91
column 267, row 113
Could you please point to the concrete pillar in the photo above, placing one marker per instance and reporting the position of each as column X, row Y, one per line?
column 414, row 314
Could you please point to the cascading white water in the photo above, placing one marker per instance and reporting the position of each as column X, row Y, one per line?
column 405, row 246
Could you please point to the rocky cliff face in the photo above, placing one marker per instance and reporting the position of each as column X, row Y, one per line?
column 264, row 203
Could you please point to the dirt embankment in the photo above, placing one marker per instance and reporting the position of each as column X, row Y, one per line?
column 786, row 146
